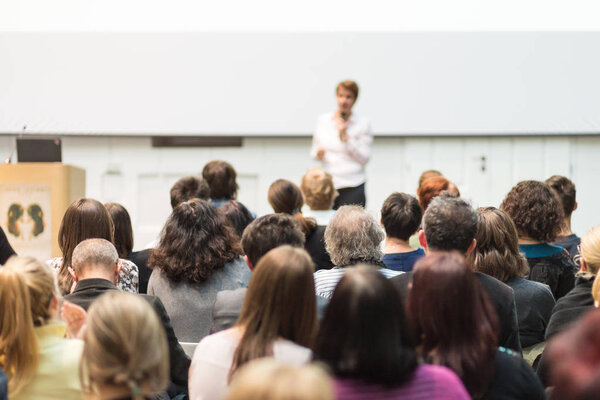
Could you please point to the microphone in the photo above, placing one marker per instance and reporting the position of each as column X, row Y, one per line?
column 343, row 115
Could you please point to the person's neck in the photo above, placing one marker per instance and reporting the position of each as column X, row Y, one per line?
column 528, row 240
column 395, row 245
column 566, row 228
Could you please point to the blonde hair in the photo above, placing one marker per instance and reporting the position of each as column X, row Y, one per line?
column 596, row 292
column 268, row 379
column 124, row 345
column 590, row 250
column 27, row 290
column 318, row 190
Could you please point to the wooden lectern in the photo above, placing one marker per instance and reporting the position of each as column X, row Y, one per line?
column 33, row 200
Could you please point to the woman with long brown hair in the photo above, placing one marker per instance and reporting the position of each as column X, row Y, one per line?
column 455, row 325
column 497, row 254
column 286, row 197
column 39, row 362
column 278, row 319
column 88, row 219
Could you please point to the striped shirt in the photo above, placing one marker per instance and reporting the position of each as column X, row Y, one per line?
column 327, row 279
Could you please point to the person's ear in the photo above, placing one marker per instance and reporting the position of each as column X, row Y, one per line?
column 248, row 263
column 54, row 304
column 422, row 239
column 73, row 274
column 582, row 265
column 471, row 247
column 575, row 206
column 118, row 267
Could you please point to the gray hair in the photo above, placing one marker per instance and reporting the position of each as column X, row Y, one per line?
column 449, row 223
column 98, row 252
column 353, row 236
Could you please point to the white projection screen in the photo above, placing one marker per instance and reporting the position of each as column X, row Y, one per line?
column 275, row 84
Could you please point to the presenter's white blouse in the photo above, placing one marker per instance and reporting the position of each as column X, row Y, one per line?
column 344, row 161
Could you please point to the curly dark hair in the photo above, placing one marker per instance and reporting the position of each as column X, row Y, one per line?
column 195, row 241
column 535, row 210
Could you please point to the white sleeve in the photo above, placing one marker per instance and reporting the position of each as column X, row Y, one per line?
column 359, row 146
column 316, row 142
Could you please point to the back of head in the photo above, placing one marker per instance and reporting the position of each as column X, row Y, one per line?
column 221, row 179
column 353, row 236
column 449, row 224
column 125, row 346
column 268, row 379
column 280, row 303
column 285, row 197
column 430, row 173
column 430, row 188
column 270, row 231
column 94, row 253
column 590, row 250
column 208, row 240
column 401, row 215
column 497, row 251
column 187, row 188
column 123, row 236
column 535, row 210
column 27, row 289
column 318, row 190
column 364, row 333
column 84, row 219
column 452, row 319
column 565, row 190
column 237, row 214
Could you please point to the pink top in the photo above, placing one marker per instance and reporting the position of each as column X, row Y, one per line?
column 428, row 382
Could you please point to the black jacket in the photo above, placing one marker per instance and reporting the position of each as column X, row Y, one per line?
column 88, row 290
column 502, row 298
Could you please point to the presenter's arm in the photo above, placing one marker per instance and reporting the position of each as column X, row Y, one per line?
column 317, row 151
column 359, row 146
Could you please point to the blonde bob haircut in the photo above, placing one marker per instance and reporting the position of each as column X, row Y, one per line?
column 590, row 251
column 318, row 190
column 124, row 346
column 26, row 290
column 268, row 379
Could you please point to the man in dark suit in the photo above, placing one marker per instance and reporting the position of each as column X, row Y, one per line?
column 451, row 224
column 95, row 268
column 263, row 234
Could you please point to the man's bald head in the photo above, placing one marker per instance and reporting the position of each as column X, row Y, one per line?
column 96, row 254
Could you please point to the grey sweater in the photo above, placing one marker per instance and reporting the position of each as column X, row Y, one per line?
column 189, row 305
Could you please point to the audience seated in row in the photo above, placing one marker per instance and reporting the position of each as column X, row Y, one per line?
column 278, row 319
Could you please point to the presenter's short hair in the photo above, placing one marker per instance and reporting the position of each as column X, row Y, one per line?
column 348, row 85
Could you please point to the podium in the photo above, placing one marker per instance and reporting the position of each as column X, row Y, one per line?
column 33, row 200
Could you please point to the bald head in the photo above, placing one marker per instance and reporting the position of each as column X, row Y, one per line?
column 95, row 258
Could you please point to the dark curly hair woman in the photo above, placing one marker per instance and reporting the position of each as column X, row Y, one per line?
column 538, row 217
column 197, row 256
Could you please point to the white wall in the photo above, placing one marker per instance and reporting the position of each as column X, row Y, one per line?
column 131, row 172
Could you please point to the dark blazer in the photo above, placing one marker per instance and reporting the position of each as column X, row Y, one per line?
column 88, row 290
column 502, row 298
column 140, row 258
column 315, row 246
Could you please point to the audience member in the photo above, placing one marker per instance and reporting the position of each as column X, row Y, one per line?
column 497, row 255
column 269, row 379
column 88, row 219
column 319, row 195
column 352, row 237
column 430, row 173
column 574, row 357
column 376, row 363
column 538, row 216
column 6, row 250
column 565, row 190
column 450, row 224
column 221, row 179
column 574, row 304
column 285, row 197
column 125, row 353
column 455, row 325
column 123, row 242
column 198, row 255
column 187, row 188
column 278, row 320
column 263, row 234
column 401, row 218
column 237, row 214
column 433, row 187
column 95, row 270
column 38, row 361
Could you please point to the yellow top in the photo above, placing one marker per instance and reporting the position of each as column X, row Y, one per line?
column 57, row 376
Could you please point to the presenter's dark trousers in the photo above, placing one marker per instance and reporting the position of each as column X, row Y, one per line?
column 351, row 195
